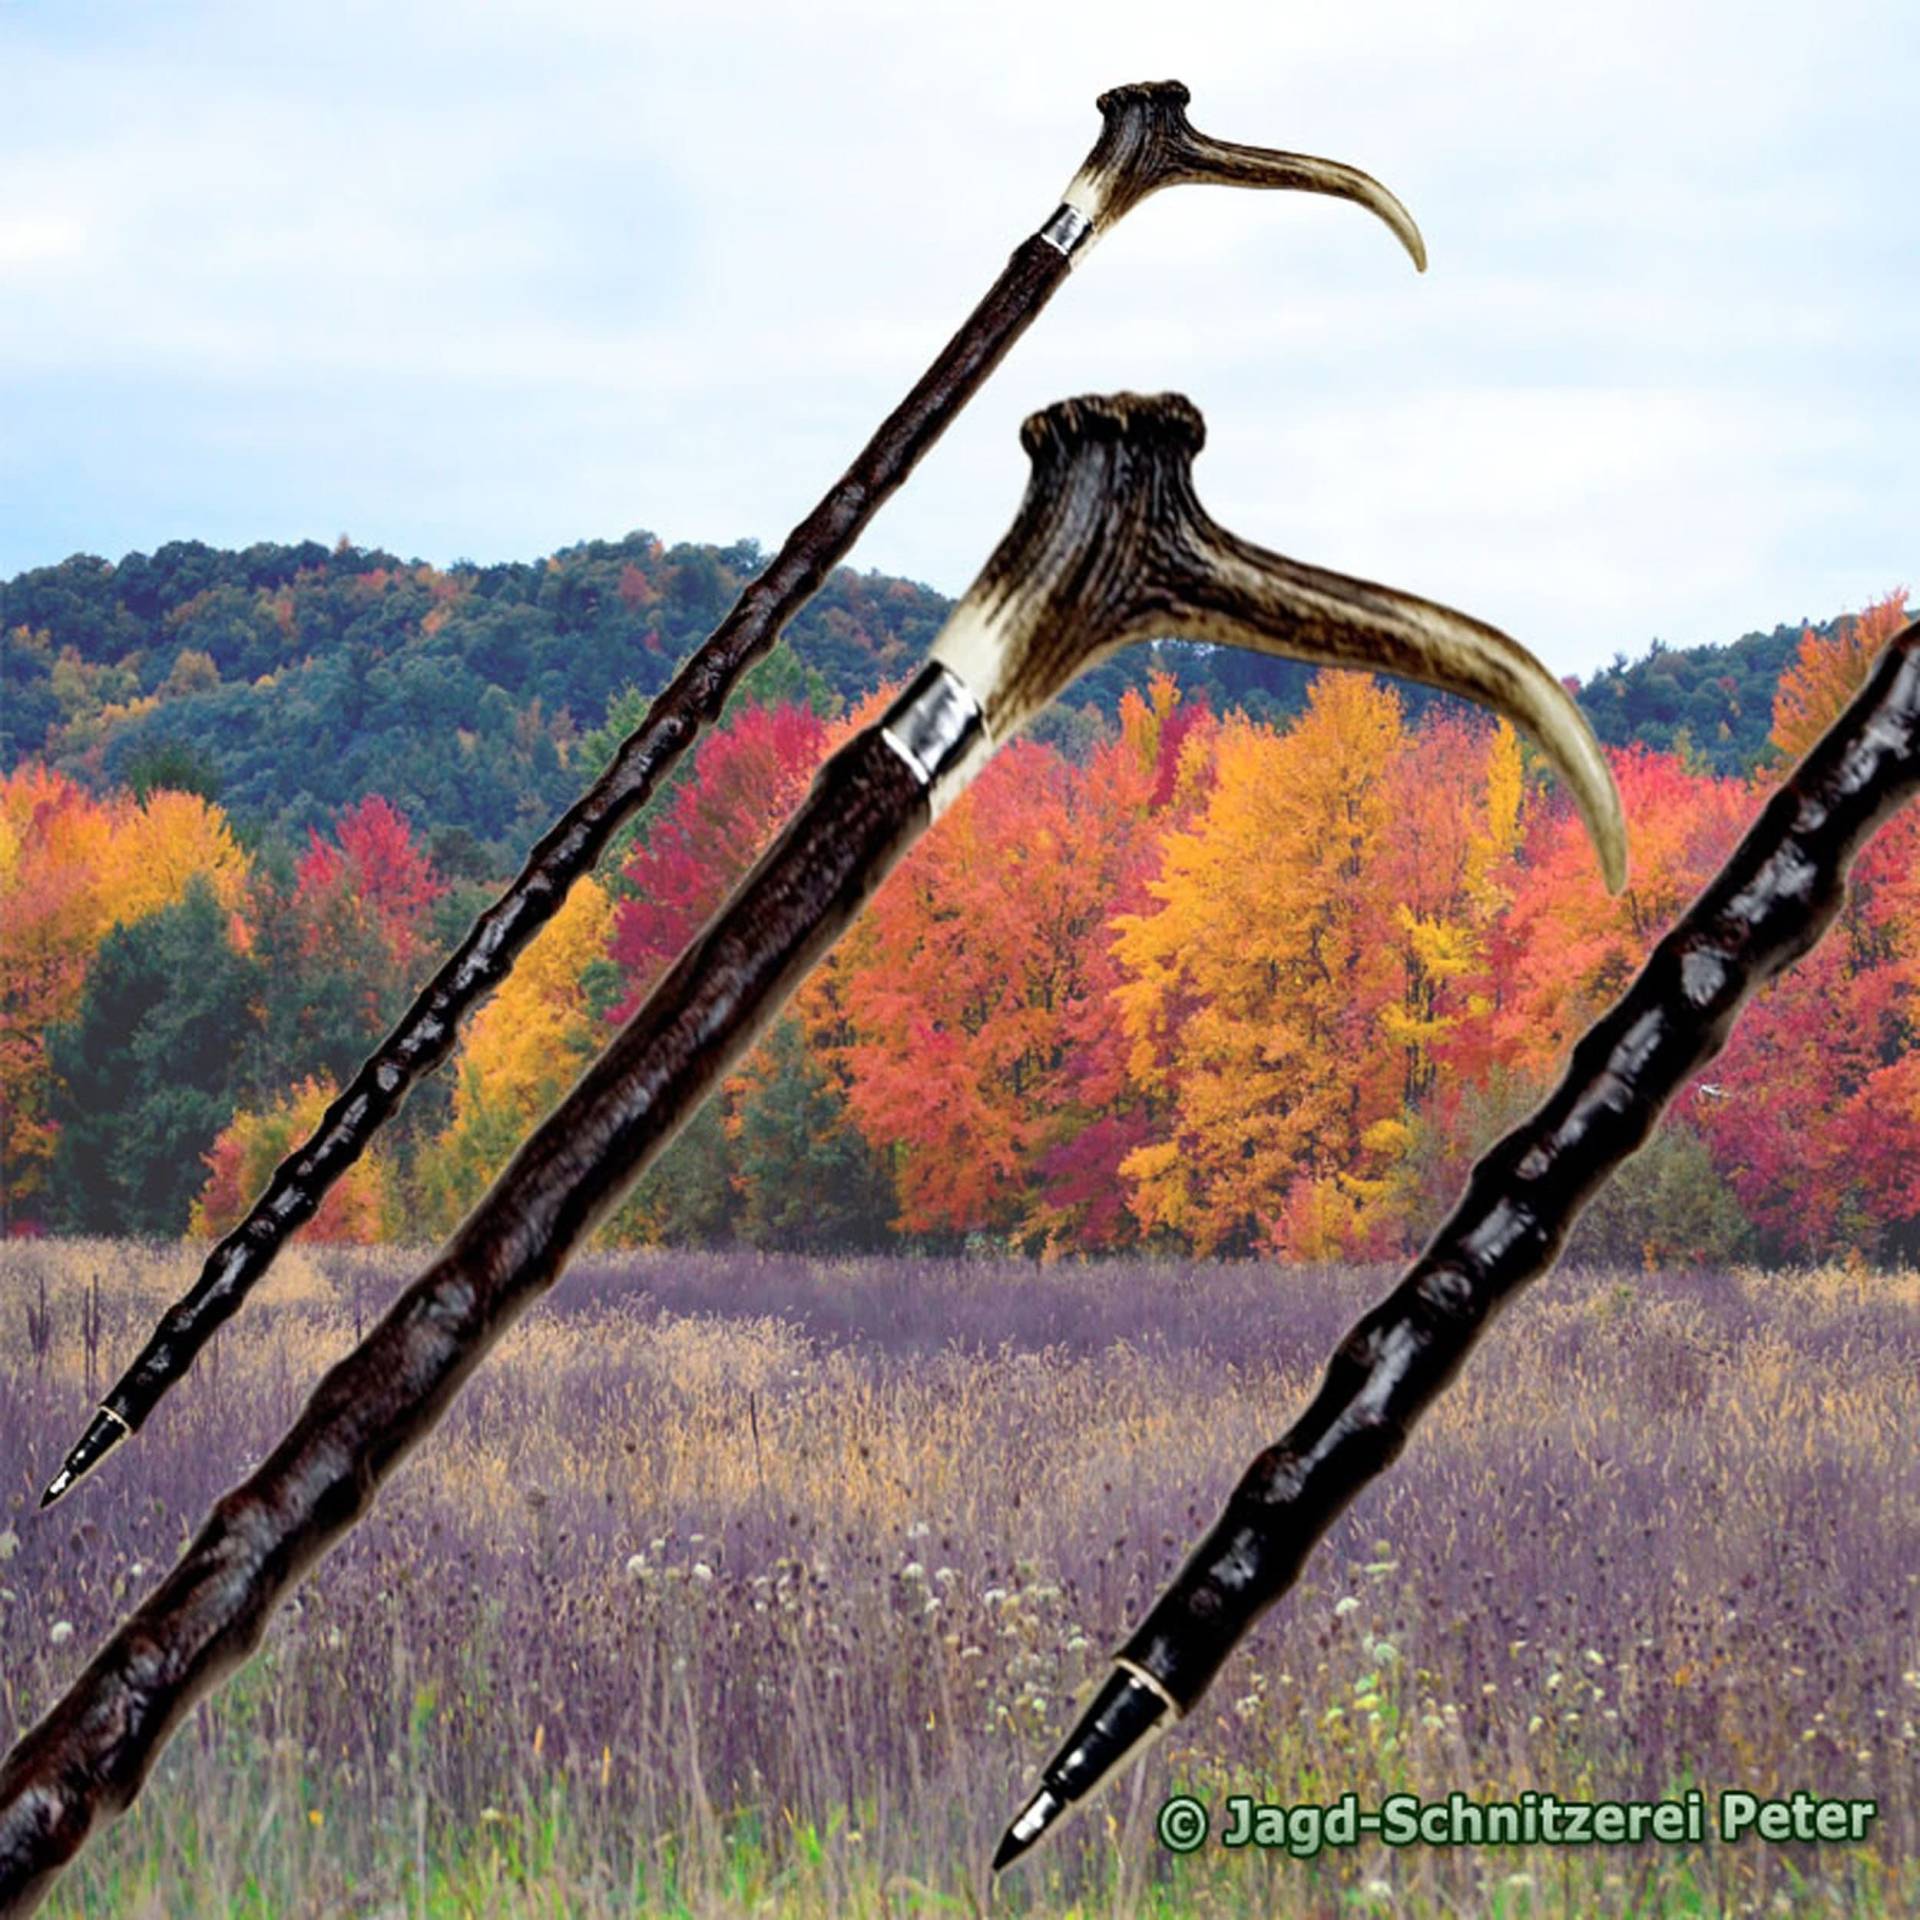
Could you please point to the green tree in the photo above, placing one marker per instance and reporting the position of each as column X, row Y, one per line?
column 687, row 1197
column 145, row 1076
column 808, row 1179
column 170, row 765
column 1667, row 1207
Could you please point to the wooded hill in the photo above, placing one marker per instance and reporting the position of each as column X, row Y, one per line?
column 289, row 681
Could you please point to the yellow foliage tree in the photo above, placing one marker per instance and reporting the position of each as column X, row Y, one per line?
column 524, row 1049
column 1497, row 840
column 157, row 846
column 72, row 867
column 1254, row 993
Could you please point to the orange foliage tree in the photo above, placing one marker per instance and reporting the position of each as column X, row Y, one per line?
column 1828, row 670
column 73, row 867
column 1255, row 990
column 48, row 926
column 1570, row 947
column 967, row 1003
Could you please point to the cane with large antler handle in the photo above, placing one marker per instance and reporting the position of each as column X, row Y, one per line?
column 1145, row 144
column 1767, row 906
column 1110, row 545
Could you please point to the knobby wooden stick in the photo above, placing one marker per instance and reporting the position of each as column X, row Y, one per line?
column 1110, row 545
column 1145, row 144
column 1768, row 905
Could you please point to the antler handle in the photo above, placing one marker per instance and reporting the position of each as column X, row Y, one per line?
column 1054, row 600
column 1148, row 143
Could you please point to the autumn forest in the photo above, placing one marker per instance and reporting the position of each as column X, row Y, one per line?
column 1211, row 967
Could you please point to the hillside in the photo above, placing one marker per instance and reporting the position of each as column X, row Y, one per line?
column 1716, row 701
column 290, row 680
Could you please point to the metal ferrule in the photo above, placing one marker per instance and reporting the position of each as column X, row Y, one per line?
column 937, row 728
column 1152, row 1683
column 1067, row 229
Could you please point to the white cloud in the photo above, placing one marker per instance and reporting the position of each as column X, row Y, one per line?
column 483, row 281
column 39, row 240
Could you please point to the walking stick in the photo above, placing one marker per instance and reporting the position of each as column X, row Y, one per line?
column 1145, row 144
column 1110, row 545
column 1766, row 907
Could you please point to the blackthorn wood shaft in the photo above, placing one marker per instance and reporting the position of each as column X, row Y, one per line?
column 1768, row 905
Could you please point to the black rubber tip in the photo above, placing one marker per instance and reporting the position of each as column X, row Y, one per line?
column 103, row 1434
column 1035, row 1818
column 1115, row 1729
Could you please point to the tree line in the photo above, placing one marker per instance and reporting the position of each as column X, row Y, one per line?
column 287, row 681
column 1202, row 979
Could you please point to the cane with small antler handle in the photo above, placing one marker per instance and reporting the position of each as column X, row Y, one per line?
column 1766, row 907
column 1110, row 545
column 1145, row 144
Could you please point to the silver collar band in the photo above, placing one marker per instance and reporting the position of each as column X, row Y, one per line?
column 937, row 728
column 1067, row 229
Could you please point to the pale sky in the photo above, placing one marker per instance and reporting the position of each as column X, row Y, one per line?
column 480, row 282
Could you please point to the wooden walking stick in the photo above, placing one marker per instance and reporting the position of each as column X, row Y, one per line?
column 1110, row 545
column 1766, row 907
column 1145, row 144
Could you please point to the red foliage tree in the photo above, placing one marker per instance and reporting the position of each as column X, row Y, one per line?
column 1814, row 1115
column 745, row 781
column 373, row 863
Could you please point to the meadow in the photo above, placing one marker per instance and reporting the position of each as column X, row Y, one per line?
column 759, row 1585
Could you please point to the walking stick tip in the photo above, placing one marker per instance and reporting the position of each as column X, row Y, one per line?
column 1035, row 1818
column 104, row 1432
column 1127, row 1715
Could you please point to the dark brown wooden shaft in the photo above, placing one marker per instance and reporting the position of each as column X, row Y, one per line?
column 428, row 1031
column 1108, row 542
column 1768, row 905
column 89, row 1755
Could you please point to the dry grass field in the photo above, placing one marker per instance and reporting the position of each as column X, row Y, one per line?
column 758, row 1586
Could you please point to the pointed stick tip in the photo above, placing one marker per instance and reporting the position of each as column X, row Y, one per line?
column 1034, row 1819
column 104, row 1432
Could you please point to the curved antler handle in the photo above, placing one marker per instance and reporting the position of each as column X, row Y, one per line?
column 1149, row 143
column 1112, row 545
